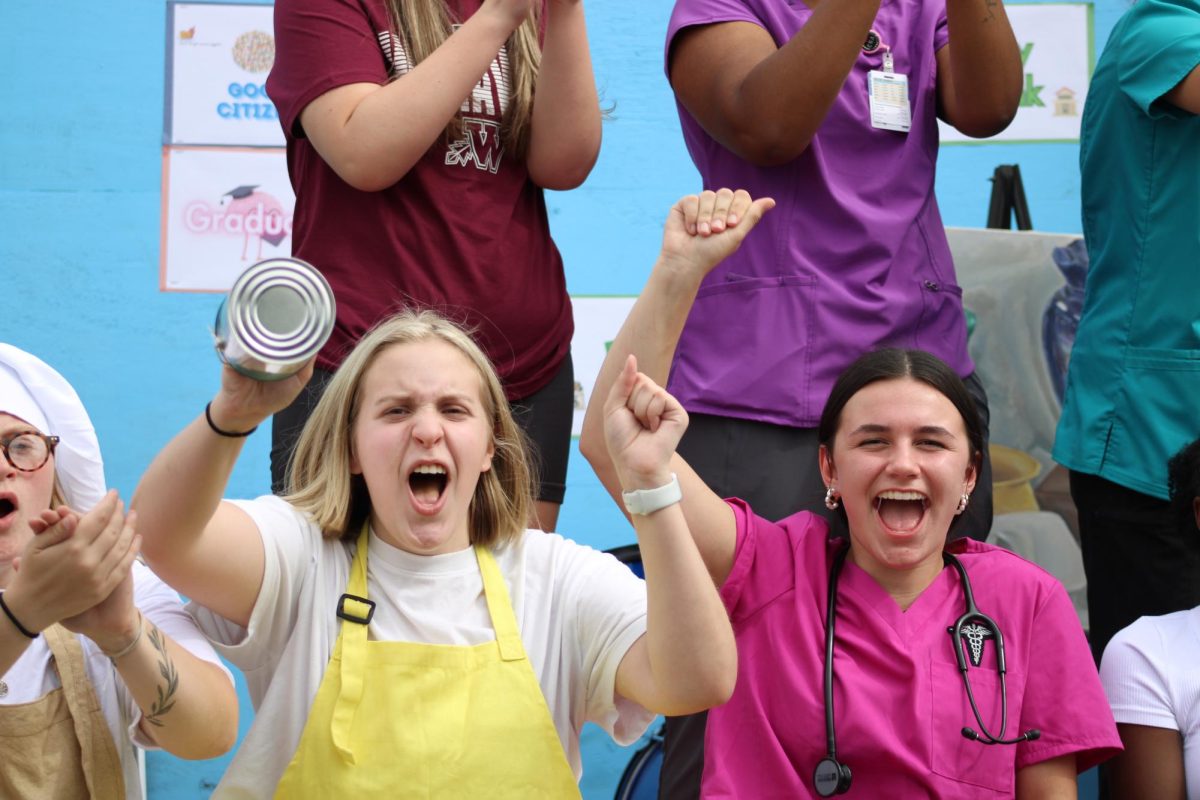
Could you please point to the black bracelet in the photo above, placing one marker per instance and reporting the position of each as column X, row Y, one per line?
column 218, row 431
column 12, row 618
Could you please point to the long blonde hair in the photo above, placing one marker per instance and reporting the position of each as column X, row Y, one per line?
column 422, row 26
column 319, row 477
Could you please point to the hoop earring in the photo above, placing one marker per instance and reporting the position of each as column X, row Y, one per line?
column 831, row 499
column 962, row 503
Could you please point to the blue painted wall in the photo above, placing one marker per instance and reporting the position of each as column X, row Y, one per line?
column 81, row 86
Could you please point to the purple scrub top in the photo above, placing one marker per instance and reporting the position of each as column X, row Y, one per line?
column 854, row 257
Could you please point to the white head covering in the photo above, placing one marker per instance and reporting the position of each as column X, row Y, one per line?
column 32, row 390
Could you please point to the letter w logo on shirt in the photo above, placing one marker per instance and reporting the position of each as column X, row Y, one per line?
column 480, row 146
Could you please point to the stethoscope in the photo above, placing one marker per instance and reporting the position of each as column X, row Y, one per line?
column 832, row 776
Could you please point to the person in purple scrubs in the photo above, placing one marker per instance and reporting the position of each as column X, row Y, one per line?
column 900, row 449
column 775, row 98
column 831, row 108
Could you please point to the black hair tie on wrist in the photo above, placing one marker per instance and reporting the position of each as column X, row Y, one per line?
column 13, row 619
column 218, row 431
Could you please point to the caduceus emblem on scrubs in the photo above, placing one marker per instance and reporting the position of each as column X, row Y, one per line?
column 974, row 635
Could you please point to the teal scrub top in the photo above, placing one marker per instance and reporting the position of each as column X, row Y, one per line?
column 1133, row 390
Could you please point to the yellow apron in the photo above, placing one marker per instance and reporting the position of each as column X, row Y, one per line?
column 409, row 720
column 59, row 746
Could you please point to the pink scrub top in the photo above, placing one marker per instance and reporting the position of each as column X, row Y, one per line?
column 899, row 699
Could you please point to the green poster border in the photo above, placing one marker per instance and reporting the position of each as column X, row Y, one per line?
column 1091, row 51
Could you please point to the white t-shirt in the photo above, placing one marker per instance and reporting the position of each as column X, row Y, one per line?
column 578, row 611
column 1150, row 676
column 33, row 675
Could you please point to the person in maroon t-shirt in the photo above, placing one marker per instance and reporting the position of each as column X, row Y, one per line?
column 420, row 135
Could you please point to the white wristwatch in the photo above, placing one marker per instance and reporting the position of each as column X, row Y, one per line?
column 646, row 501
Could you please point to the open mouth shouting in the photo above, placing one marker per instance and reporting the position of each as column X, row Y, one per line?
column 427, row 485
column 900, row 511
column 8, row 510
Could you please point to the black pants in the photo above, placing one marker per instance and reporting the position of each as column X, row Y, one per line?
column 1138, row 562
column 774, row 468
column 545, row 416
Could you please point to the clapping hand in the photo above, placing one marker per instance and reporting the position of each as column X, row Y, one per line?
column 514, row 12
column 76, row 570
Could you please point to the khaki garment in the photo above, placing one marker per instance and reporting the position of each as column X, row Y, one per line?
column 59, row 747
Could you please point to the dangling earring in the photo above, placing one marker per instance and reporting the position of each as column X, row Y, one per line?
column 962, row 503
column 831, row 499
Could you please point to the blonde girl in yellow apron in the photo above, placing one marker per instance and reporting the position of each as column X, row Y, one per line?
column 68, row 576
column 422, row 720
column 413, row 449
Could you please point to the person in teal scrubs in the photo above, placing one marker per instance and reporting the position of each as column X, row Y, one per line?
column 1133, row 391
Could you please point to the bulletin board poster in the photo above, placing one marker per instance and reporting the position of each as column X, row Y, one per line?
column 224, row 209
column 597, row 320
column 218, row 57
column 1057, row 58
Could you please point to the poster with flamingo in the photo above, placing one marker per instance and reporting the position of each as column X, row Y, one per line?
column 224, row 208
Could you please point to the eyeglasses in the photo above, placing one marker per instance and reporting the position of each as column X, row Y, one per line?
column 28, row 451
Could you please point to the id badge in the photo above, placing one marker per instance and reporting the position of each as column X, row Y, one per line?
column 888, row 93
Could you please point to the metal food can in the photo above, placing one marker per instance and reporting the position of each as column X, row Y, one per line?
column 276, row 317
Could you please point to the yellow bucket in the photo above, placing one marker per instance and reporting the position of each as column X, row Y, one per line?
column 1012, row 471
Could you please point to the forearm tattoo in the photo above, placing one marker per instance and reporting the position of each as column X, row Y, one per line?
column 166, row 668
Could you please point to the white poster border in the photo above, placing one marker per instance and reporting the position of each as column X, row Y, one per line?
column 170, row 133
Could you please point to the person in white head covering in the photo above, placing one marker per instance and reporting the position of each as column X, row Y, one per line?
column 96, row 654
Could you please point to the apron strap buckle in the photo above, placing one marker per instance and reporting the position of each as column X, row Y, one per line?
column 360, row 611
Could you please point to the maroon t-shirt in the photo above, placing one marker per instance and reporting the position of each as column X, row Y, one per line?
column 464, row 232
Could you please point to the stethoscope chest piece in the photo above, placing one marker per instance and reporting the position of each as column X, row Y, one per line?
column 831, row 777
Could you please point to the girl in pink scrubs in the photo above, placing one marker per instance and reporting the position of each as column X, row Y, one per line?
column 900, row 453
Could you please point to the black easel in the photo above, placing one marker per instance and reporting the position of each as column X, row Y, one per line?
column 1008, row 199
